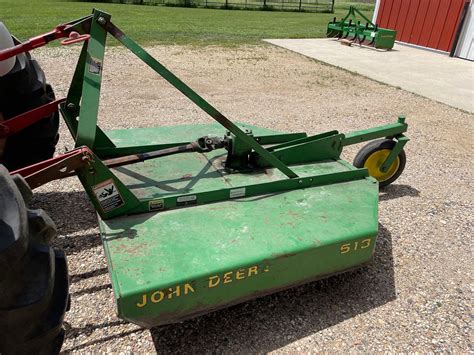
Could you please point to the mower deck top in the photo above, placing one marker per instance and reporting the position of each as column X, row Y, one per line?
column 171, row 265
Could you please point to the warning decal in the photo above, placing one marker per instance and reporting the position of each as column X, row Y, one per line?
column 107, row 195
column 95, row 66
column 186, row 200
column 240, row 192
column 156, row 205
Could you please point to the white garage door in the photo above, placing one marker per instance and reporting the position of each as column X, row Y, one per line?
column 465, row 47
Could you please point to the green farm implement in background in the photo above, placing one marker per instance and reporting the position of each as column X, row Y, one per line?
column 357, row 28
column 196, row 218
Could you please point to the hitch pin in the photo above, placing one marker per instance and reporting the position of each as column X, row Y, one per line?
column 75, row 37
column 60, row 31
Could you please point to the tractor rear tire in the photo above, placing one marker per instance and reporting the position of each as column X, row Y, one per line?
column 23, row 89
column 34, row 285
column 36, row 142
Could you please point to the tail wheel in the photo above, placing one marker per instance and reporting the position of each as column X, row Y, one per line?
column 374, row 154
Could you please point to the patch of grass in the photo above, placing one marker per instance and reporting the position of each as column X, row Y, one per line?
column 169, row 25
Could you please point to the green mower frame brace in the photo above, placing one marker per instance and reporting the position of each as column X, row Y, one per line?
column 80, row 112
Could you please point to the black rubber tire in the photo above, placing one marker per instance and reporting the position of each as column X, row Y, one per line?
column 35, row 143
column 21, row 90
column 374, row 146
column 34, row 286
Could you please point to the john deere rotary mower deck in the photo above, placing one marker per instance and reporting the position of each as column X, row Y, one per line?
column 171, row 265
column 195, row 218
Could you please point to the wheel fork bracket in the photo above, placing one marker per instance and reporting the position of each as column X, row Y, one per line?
column 401, row 141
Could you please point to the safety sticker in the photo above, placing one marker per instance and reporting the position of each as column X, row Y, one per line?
column 95, row 66
column 108, row 196
column 156, row 205
column 234, row 193
column 372, row 34
column 186, row 200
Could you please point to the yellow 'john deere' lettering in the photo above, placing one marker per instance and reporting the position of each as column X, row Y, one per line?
column 238, row 275
column 225, row 278
column 159, row 295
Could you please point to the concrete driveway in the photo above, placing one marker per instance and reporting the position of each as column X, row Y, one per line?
column 430, row 74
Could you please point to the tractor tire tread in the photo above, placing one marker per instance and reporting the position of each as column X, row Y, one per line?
column 34, row 287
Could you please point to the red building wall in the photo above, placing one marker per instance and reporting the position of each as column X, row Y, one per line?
column 427, row 23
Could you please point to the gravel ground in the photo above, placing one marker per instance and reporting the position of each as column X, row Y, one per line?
column 417, row 294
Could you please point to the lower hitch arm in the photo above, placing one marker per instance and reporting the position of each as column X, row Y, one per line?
column 59, row 167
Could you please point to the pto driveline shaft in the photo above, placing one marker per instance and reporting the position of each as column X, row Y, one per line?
column 135, row 158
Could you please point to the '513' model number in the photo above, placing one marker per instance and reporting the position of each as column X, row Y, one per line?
column 354, row 246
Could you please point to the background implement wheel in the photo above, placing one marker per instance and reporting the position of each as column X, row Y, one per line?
column 372, row 157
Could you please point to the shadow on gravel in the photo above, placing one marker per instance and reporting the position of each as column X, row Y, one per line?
column 271, row 322
column 71, row 211
column 101, row 340
column 396, row 191
column 77, row 243
column 89, row 274
column 88, row 329
column 91, row 290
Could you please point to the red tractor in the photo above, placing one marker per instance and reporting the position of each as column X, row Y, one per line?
column 33, row 281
